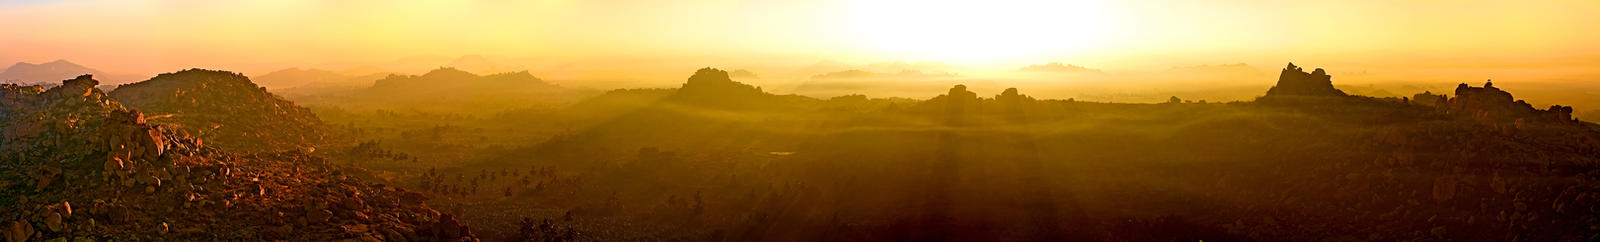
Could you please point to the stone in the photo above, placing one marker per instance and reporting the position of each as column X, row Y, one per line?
column 19, row 231
column 114, row 164
column 53, row 222
column 65, row 209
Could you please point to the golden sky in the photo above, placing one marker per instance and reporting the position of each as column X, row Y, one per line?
column 257, row 35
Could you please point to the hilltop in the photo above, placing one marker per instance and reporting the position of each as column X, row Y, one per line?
column 76, row 164
column 224, row 109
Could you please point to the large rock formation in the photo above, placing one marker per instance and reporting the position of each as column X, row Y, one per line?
column 1427, row 98
column 1491, row 103
column 710, row 87
column 225, row 109
column 74, row 147
column 1296, row 82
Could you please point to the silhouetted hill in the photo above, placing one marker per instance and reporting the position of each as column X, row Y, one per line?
column 28, row 73
column 713, row 88
column 76, row 164
column 1489, row 103
column 224, row 109
column 315, row 80
column 455, row 91
column 1296, row 82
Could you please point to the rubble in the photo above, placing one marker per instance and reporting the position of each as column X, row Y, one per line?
column 62, row 145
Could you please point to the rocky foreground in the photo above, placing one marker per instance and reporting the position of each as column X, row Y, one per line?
column 77, row 165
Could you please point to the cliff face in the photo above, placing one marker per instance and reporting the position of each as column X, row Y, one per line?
column 1294, row 81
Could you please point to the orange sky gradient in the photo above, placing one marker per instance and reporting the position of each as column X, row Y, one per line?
column 1432, row 40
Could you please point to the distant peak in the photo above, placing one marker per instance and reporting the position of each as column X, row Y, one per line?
column 59, row 62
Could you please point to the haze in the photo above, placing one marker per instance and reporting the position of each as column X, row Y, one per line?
column 1433, row 39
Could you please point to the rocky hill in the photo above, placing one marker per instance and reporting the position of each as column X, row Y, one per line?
column 1294, row 81
column 77, row 165
column 713, row 88
column 225, row 110
column 1491, row 103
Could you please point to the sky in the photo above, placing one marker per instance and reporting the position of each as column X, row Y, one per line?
column 1551, row 39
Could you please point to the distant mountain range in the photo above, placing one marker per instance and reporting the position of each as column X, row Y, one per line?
column 54, row 71
column 294, row 78
column 446, row 89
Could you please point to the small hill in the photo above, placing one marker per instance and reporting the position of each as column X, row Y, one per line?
column 454, row 90
column 29, row 73
column 714, row 89
column 78, row 165
column 224, row 109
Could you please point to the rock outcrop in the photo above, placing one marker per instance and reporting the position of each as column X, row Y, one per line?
column 1294, row 81
column 1427, row 98
column 713, row 88
column 454, row 90
column 1492, row 104
column 76, row 165
column 225, row 109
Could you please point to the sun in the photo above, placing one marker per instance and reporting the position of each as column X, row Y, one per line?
column 977, row 30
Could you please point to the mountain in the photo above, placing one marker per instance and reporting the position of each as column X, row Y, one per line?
column 78, row 164
column 454, row 90
column 312, row 80
column 23, row 72
column 295, row 77
column 481, row 64
column 225, row 109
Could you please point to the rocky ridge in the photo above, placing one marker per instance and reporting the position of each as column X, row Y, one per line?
column 226, row 109
column 74, row 147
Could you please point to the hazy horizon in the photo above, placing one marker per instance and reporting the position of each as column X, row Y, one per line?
column 624, row 40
